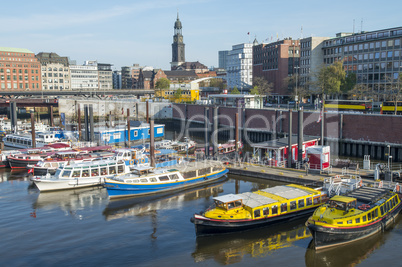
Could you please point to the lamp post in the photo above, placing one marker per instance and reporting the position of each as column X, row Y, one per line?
column 389, row 152
column 297, row 96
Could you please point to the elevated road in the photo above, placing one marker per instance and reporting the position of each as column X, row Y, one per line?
column 116, row 92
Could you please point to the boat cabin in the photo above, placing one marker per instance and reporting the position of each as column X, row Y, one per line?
column 96, row 168
column 142, row 170
column 342, row 203
column 228, row 202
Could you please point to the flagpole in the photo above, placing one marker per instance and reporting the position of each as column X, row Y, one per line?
column 322, row 120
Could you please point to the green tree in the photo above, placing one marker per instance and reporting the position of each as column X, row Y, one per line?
column 349, row 82
column 329, row 78
column 161, row 84
column 254, row 91
column 263, row 86
column 217, row 83
column 177, row 94
column 235, row 91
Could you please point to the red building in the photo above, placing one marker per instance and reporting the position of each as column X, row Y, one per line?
column 275, row 62
column 19, row 70
column 148, row 78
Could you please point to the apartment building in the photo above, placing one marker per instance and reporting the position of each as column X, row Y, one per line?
column 19, row 70
column 55, row 71
column 239, row 66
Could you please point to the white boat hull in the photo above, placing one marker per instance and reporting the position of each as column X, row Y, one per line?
column 63, row 184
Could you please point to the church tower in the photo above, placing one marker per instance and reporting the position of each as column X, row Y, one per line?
column 178, row 57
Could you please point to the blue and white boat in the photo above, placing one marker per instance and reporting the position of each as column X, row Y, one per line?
column 147, row 180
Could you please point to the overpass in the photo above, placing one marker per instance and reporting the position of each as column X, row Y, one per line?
column 86, row 93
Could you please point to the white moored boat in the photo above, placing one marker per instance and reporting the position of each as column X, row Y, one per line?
column 79, row 175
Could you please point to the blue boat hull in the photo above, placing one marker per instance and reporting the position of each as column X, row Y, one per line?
column 120, row 190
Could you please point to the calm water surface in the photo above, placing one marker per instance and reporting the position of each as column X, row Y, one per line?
column 83, row 228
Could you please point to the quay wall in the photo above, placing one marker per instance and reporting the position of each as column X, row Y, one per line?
column 348, row 134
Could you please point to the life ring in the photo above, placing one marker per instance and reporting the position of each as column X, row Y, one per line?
column 361, row 183
column 131, row 162
column 142, row 160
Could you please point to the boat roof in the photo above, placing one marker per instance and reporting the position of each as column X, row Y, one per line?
column 254, row 200
column 343, row 199
column 287, row 192
column 229, row 198
column 368, row 194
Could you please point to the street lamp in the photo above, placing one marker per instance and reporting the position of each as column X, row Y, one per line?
column 389, row 152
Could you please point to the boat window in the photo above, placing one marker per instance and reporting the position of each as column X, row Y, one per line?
column 309, row 202
column 174, row 177
column 136, row 181
column 316, row 200
column 340, row 222
column 163, row 178
column 103, row 171
column 144, row 180
column 120, row 168
column 357, row 220
column 375, row 213
column 292, row 205
column 76, row 173
column 112, row 170
column 284, row 207
column 66, row 174
column 369, row 216
column 85, row 173
column 301, row 203
column 153, row 180
column 349, row 221
column 388, row 206
column 257, row 213
column 265, row 211
column 46, row 165
column 382, row 210
column 129, row 181
column 274, row 209
column 95, row 172
column 364, row 218
column 54, row 165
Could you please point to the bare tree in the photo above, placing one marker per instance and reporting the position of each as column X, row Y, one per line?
column 394, row 91
column 263, row 86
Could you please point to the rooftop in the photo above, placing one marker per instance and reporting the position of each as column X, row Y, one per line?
column 13, row 49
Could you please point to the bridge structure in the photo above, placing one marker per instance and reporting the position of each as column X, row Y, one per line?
column 85, row 93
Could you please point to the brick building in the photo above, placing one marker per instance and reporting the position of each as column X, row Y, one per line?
column 148, row 78
column 19, row 70
column 276, row 61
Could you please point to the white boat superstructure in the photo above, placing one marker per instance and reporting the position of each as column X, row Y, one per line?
column 79, row 175
column 25, row 140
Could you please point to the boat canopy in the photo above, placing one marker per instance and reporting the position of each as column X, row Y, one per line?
column 228, row 198
column 287, row 192
column 254, row 200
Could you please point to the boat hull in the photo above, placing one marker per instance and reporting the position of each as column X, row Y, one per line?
column 206, row 226
column 46, row 185
column 325, row 237
column 119, row 190
column 20, row 163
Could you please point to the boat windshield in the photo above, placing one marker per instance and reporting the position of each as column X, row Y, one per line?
column 342, row 205
column 228, row 205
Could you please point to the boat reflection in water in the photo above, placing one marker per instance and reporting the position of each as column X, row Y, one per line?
column 232, row 248
column 130, row 207
column 71, row 201
column 346, row 255
column 8, row 174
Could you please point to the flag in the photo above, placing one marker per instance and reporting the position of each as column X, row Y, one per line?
column 319, row 117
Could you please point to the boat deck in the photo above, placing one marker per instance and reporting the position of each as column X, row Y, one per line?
column 368, row 195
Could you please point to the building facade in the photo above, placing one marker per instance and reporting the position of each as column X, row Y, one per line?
column 178, row 47
column 375, row 57
column 85, row 77
column 117, row 79
column 148, row 78
column 275, row 62
column 240, row 66
column 55, row 71
column 19, row 70
column 105, row 74
column 222, row 58
column 130, row 76
column 311, row 60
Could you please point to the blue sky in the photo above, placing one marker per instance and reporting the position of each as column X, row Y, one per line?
column 123, row 32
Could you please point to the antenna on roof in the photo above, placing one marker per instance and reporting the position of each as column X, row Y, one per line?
column 361, row 26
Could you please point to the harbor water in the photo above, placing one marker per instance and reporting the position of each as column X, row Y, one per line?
column 83, row 228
